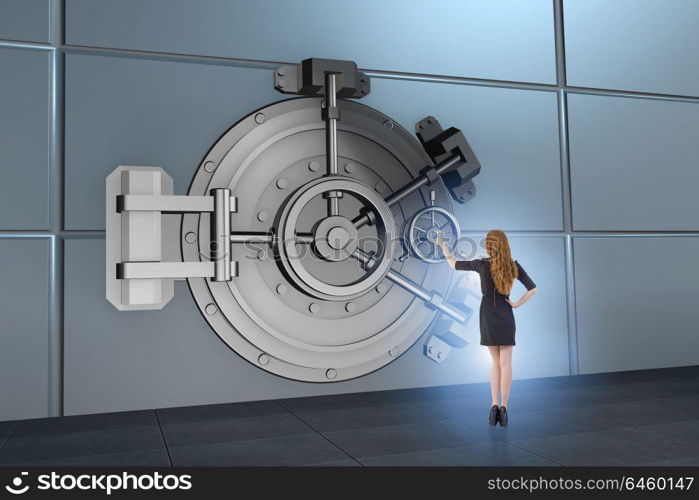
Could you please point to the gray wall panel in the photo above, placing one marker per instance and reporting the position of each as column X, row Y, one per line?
column 24, row 308
column 24, row 139
column 128, row 360
column 639, row 45
column 636, row 302
column 633, row 164
column 143, row 112
column 25, row 20
column 514, row 133
column 500, row 39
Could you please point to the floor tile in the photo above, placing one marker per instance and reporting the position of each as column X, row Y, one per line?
column 336, row 463
column 339, row 401
column 303, row 449
column 627, row 446
column 654, row 389
column 219, row 412
column 139, row 458
column 457, row 408
column 545, row 423
column 389, row 440
column 6, row 429
column 424, row 394
column 690, row 461
column 371, row 416
column 85, row 423
column 490, row 454
column 79, row 444
column 233, row 429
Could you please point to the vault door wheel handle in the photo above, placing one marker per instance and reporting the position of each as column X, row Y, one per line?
column 139, row 201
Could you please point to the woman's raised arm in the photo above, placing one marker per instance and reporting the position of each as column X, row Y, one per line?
column 451, row 260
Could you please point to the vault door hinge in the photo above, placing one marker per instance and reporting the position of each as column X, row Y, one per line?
column 139, row 273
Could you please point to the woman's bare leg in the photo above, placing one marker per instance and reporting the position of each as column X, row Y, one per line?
column 505, row 372
column 495, row 373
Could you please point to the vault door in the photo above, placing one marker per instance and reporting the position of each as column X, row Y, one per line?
column 308, row 233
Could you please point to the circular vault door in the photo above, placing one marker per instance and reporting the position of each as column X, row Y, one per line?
column 316, row 297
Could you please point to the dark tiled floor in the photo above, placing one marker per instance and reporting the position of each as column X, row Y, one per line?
column 631, row 418
column 6, row 429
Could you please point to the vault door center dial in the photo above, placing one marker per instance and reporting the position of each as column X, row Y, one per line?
column 336, row 238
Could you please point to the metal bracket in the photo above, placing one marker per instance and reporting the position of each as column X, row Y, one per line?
column 309, row 78
column 443, row 144
column 137, row 278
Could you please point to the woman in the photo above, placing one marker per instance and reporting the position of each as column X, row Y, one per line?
column 498, row 273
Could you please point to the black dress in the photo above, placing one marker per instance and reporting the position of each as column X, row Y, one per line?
column 497, row 320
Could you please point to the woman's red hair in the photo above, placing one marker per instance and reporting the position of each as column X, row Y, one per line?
column 502, row 268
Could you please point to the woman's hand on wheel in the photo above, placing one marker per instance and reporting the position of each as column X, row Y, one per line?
column 440, row 239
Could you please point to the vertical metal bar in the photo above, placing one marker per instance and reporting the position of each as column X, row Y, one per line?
column 55, row 333
column 331, row 138
column 563, row 139
column 55, row 337
column 560, row 43
column 333, row 204
column 566, row 198
column 331, row 125
column 573, row 350
column 221, row 234
column 568, row 230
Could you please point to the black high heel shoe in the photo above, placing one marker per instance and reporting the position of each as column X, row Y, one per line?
column 502, row 416
column 494, row 415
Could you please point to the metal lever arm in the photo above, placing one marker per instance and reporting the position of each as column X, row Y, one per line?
column 432, row 299
column 169, row 203
column 168, row 270
column 428, row 175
